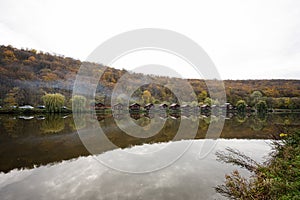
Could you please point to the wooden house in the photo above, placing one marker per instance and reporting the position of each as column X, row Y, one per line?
column 118, row 106
column 134, row 107
column 163, row 106
column 205, row 108
column 149, row 106
column 174, row 107
column 185, row 108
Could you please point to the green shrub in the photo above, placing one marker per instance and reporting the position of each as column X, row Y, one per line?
column 278, row 178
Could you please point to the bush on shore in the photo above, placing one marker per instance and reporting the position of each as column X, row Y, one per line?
column 277, row 178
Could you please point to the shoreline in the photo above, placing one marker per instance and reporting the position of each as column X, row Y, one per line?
column 109, row 111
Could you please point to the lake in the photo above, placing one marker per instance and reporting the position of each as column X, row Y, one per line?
column 43, row 156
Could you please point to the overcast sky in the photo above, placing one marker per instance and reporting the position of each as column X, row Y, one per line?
column 245, row 39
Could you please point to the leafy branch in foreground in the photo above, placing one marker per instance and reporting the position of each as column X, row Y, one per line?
column 277, row 178
column 235, row 157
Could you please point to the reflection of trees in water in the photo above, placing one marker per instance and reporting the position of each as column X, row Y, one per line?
column 209, row 119
column 80, row 121
column 258, row 122
column 262, row 117
column 286, row 119
column 241, row 118
column 53, row 124
column 170, row 128
column 143, row 122
column 9, row 125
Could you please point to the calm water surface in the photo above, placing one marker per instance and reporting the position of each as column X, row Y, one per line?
column 42, row 157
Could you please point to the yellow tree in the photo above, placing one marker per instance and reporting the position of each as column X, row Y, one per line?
column 146, row 96
column 9, row 56
column 78, row 103
column 202, row 96
column 53, row 102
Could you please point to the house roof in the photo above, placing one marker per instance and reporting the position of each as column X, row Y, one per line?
column 27, row 106
column 185, row 106
column 135, row 104
column 204, row 106
column 163, row 104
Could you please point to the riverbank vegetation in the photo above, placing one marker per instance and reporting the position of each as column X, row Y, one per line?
column 277, row 178
column 27, row 74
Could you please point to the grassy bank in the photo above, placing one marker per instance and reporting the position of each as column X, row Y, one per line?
column 277, row 178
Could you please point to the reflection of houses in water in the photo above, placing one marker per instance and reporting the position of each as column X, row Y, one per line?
column 226, row 107
column 149, row 115
column 186, row 114
column 229, row 115
column 249, row 109
column 40, row 117
column 118, row 116
column 118, row 106
column 174, row 107
column 135, row 107
column 100, row 117
column 149, row 106
column 98, row 106
column 135, row 116
column 163, row 115
column 174, row 115
column 26, row 117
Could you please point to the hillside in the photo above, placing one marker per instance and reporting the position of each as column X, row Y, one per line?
column 28, row 74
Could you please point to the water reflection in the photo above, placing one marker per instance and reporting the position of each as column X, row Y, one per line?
column 53, row 138
column 53, row 124
column 85, row 178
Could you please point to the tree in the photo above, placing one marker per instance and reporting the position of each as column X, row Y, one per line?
column 11, row 97
column 241, row 106
column 255, row 97
column 208, row 101
column 295, row 103
column 9, row 56
column 53, row 102
column 202, row 96
column 261, row 107
column 146, row 96
column 78, row 103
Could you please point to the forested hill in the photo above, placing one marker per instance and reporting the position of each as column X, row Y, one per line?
column 28, row 74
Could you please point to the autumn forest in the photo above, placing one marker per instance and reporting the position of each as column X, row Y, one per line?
column 27, row 74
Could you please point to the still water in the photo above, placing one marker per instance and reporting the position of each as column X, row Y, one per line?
column 42, row 157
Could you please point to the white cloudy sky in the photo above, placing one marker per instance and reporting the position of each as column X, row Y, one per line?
column 245, row 39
